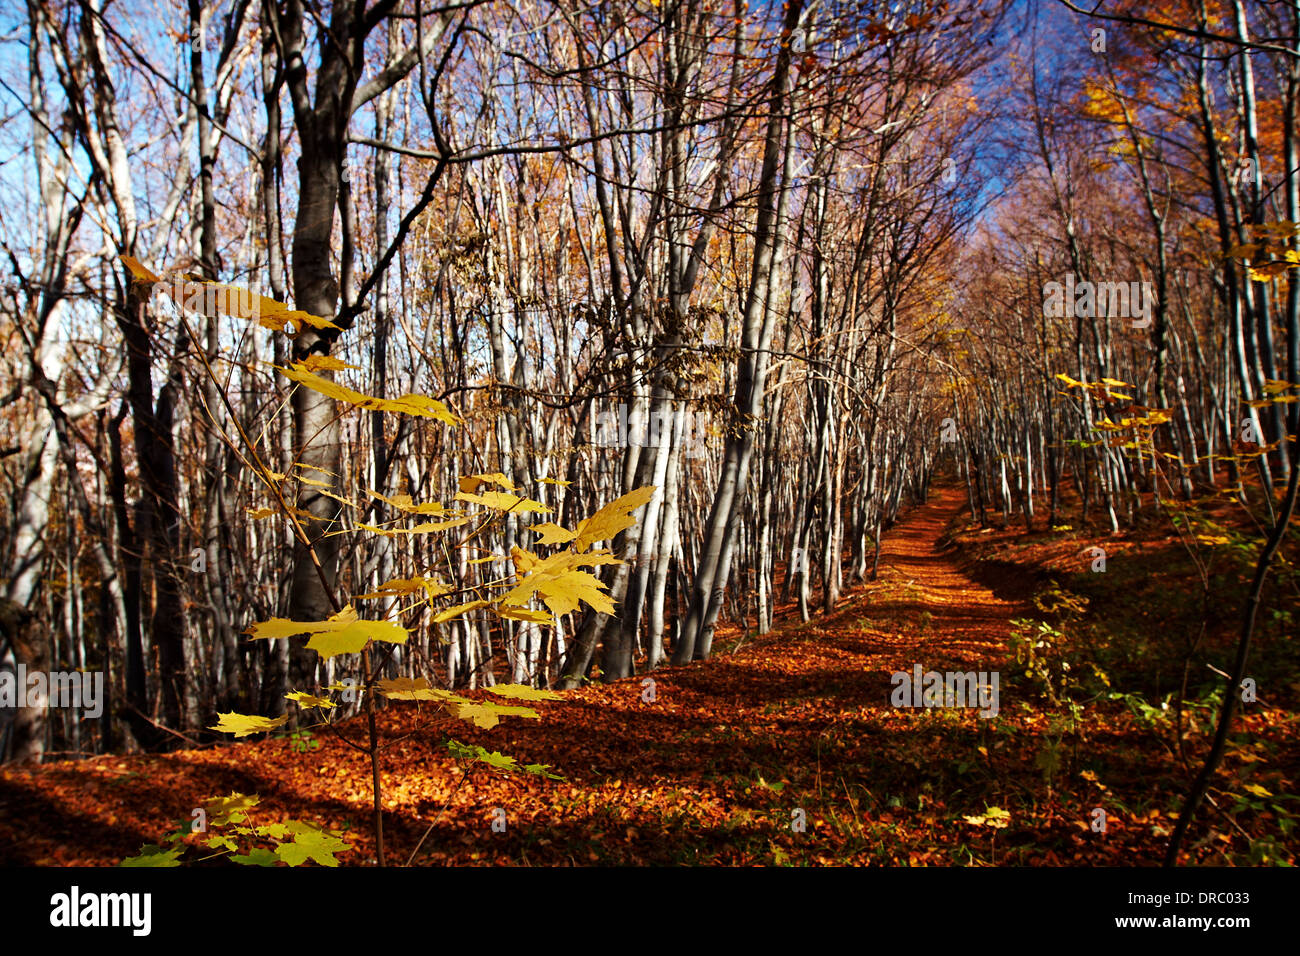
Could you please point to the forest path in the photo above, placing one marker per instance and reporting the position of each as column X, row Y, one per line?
column 721, row 766
column 922, row 609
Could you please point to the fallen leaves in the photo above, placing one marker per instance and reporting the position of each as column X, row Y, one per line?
column 707, row 773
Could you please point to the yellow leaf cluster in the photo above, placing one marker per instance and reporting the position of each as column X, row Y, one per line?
column 234, row 301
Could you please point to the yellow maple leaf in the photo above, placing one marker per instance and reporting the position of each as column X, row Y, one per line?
column 552, row 533
column 563, row 592
column 308, row 701
column 241, row 725
column 611, row 519
column 303, row 515
column 353, row 638
column 279, row 627
column 558, row 582
column 487, row 715
column 418, row 405
column 316, row 468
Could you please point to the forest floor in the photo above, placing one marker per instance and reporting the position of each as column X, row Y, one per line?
column 727, row 760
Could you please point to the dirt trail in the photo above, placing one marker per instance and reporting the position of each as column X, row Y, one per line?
column 966, row 622
column 713, row 769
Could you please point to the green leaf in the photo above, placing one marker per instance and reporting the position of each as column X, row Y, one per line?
column 309, row 843
column 151, row 855
column 542, row 770
column 497, row 761
column 259, row 856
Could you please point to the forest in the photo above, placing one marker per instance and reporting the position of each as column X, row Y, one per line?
column 649, row 432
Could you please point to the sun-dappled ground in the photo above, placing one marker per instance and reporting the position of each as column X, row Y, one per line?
column 733, row 753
